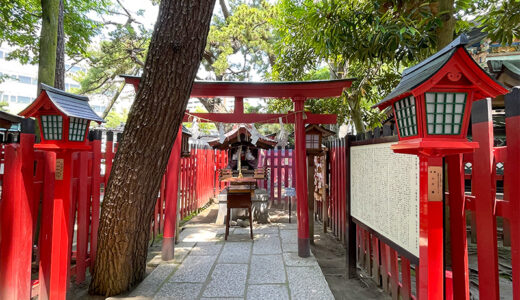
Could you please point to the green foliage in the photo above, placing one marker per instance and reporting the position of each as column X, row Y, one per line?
column 114, row 119
column 502, row 21
column 4, row 106
column 245, row 34
column 204, row 128
column 367, row 40
column 123, row 53
column 20, row 24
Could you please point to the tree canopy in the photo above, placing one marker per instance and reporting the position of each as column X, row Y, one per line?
column 20, row 24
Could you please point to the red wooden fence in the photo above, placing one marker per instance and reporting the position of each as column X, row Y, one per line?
column 281, row 164
column 394, row 272
column 28, row 205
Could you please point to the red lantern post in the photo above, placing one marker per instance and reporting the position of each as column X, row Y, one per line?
column 63, row 119
column 432, row 106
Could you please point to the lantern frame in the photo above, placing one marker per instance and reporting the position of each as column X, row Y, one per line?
column 70, row 108
column 451, row 71
column 320, row 132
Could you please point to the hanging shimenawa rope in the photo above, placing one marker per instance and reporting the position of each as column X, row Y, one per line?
column 193, row 117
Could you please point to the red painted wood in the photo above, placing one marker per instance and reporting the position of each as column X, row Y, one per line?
column 301, row 181
column 16, row 228
column 431, row 260
column 172, row 192
column 309, row 89
column 484, row 190
column 49, row 237
column 109, row 156
column 512, row 182
column 394, row 270
column 406, row 291
column 96, row 185
column 83, row 218
column 459, row 248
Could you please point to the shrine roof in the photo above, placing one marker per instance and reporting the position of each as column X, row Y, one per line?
column 233, row 137
column 71, row 105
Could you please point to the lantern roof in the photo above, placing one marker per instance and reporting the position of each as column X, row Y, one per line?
column 418, row 76
column 71, row 105
column 324, row 131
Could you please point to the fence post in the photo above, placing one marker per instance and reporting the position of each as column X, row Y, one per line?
column 459, row 247
column 172, row 190
column 350, row 231
column 512, row 180
column 83, row 217
column 483, row 190
column 16, row 222
column 50, row 257
column 109, row 155
column 96, row 185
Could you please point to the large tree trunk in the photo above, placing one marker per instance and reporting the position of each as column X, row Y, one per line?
column 48, row 42
column 59, row 77
column 173, row 58
column 446, row 9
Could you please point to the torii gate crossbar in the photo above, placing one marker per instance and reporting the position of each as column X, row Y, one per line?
column 298, row 92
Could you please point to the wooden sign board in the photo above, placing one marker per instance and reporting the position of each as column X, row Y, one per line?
column 385, row 193
column 59, row 169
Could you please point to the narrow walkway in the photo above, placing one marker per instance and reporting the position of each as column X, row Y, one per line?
column 205, row 266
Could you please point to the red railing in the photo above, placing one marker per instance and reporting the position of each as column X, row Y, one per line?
column 395, row 272
column 281, row 164
column 29, row 214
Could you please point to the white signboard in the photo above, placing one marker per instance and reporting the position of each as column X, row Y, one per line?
column 385, row 193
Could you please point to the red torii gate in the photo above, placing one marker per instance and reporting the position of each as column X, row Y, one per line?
column 298, row 92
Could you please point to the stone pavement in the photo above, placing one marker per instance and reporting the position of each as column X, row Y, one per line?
column 207, row 267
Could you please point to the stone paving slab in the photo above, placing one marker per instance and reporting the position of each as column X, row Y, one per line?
column 211, row 268
column 267, row 269
column 178, row 291
column 194, row 269
column 267, row 244
column 227, row 280
column 293, row 260
column 151, row 283
column 289, row 236
column 308, row 283
column 267, row 292
column 206, row 249
column 289, row 247
column 236, row 253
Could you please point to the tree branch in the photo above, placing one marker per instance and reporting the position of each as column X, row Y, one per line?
column 224, row 8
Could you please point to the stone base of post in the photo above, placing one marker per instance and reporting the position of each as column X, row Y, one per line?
column 168, row 248
column 304, row 248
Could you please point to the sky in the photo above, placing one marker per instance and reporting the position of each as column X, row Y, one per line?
column 149, row 18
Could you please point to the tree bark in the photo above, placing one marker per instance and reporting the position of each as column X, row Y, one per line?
column 48, row 42
column 446, row 9
column 59, row 76
column 173, row 58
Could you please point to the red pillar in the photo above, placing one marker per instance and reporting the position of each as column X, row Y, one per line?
column 484, row 190
column 459, row 247
column 301, row 179
column 172, row 188
column 512, row 178
column 16, row 221
column 431, row 251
